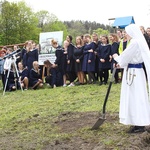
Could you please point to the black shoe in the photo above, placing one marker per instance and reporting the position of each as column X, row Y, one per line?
column 101, row 83
column 90, row 82
column 116, row 82
column 105, row 83
column 94, row 82
column 136, row 129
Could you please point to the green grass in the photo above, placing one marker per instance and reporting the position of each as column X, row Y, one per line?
column 27, row 118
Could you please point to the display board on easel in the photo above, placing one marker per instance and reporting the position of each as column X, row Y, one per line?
column 47, row 52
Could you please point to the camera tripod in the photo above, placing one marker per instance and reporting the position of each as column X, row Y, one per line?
column 12, row 62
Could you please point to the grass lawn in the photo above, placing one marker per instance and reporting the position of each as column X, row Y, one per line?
column 61, row 118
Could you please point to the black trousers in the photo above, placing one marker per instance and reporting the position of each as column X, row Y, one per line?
column 116, row 76
column 3, row 80
column 91, row 76
column 104, row 74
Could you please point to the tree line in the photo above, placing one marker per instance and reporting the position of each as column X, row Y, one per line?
column 19, row 23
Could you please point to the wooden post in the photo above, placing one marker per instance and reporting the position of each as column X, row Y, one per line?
column 43, row 73
column 20, row 44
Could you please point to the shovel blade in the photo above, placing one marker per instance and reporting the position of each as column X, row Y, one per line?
column 98, row 123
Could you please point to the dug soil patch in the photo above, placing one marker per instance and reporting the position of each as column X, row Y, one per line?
column 76, row 128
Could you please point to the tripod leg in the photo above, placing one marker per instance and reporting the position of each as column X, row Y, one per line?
column 15, row 80
column 7, row 76
column 17, row 75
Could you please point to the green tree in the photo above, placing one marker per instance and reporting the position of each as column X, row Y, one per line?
column 9, row 23
column 79, row 27
column 56, row 26
column 49, row 22
column 100, row 31
column 76, row 28
column 18, row 23
column 28, row 23
column 43, row 17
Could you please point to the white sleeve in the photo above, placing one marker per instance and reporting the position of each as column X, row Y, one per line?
column 7, row 63
column 126, row 56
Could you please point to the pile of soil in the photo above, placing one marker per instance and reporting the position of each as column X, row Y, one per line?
column 111, row 135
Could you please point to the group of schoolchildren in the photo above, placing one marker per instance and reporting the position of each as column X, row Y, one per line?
column 21, row 70
column 88, row 61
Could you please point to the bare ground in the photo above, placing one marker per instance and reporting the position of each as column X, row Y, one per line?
column 111, row 135
column 74, row 133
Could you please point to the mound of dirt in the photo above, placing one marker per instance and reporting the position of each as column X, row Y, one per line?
column 69, row 121
column 111, row 135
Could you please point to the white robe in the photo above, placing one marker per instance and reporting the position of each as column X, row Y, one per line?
column 134, row 100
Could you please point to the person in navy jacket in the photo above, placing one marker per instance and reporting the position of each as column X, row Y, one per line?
column 70, row 61
column 23, row 54
column 103, row 53
column 98, row 42
column 78, row 58
column 52, row 75
column 58, row 64
column 88, row 65
column 23, row 76
column 114, row 50
column 64, row 62
column 31, row 55
column 35, row 77
column 12, row 83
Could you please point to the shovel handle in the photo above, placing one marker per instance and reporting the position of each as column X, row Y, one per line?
column 108, row 90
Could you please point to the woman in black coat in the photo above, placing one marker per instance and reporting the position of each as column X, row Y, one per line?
column 11, row 85
column 114, row 50
column 88, row 65
column 64, row 62
column 59, row 59
column 103, row 53
column 35, row 77
column 52, row 75
column 30, row 56
column 23, row 76
column 78, row 58
column 70, row 61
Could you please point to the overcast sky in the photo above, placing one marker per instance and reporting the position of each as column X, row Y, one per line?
column 95, row 10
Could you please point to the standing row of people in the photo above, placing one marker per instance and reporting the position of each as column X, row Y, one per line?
column 88, row 60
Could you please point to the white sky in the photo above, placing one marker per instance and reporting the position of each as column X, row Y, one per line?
column 94, row 10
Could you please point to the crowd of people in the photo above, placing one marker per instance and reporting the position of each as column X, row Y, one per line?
column 20, row 70
column 88, row 61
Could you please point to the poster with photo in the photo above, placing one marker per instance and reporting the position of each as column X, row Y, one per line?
column 46, row 50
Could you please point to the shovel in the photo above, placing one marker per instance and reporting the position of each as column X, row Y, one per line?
column 102, row 118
